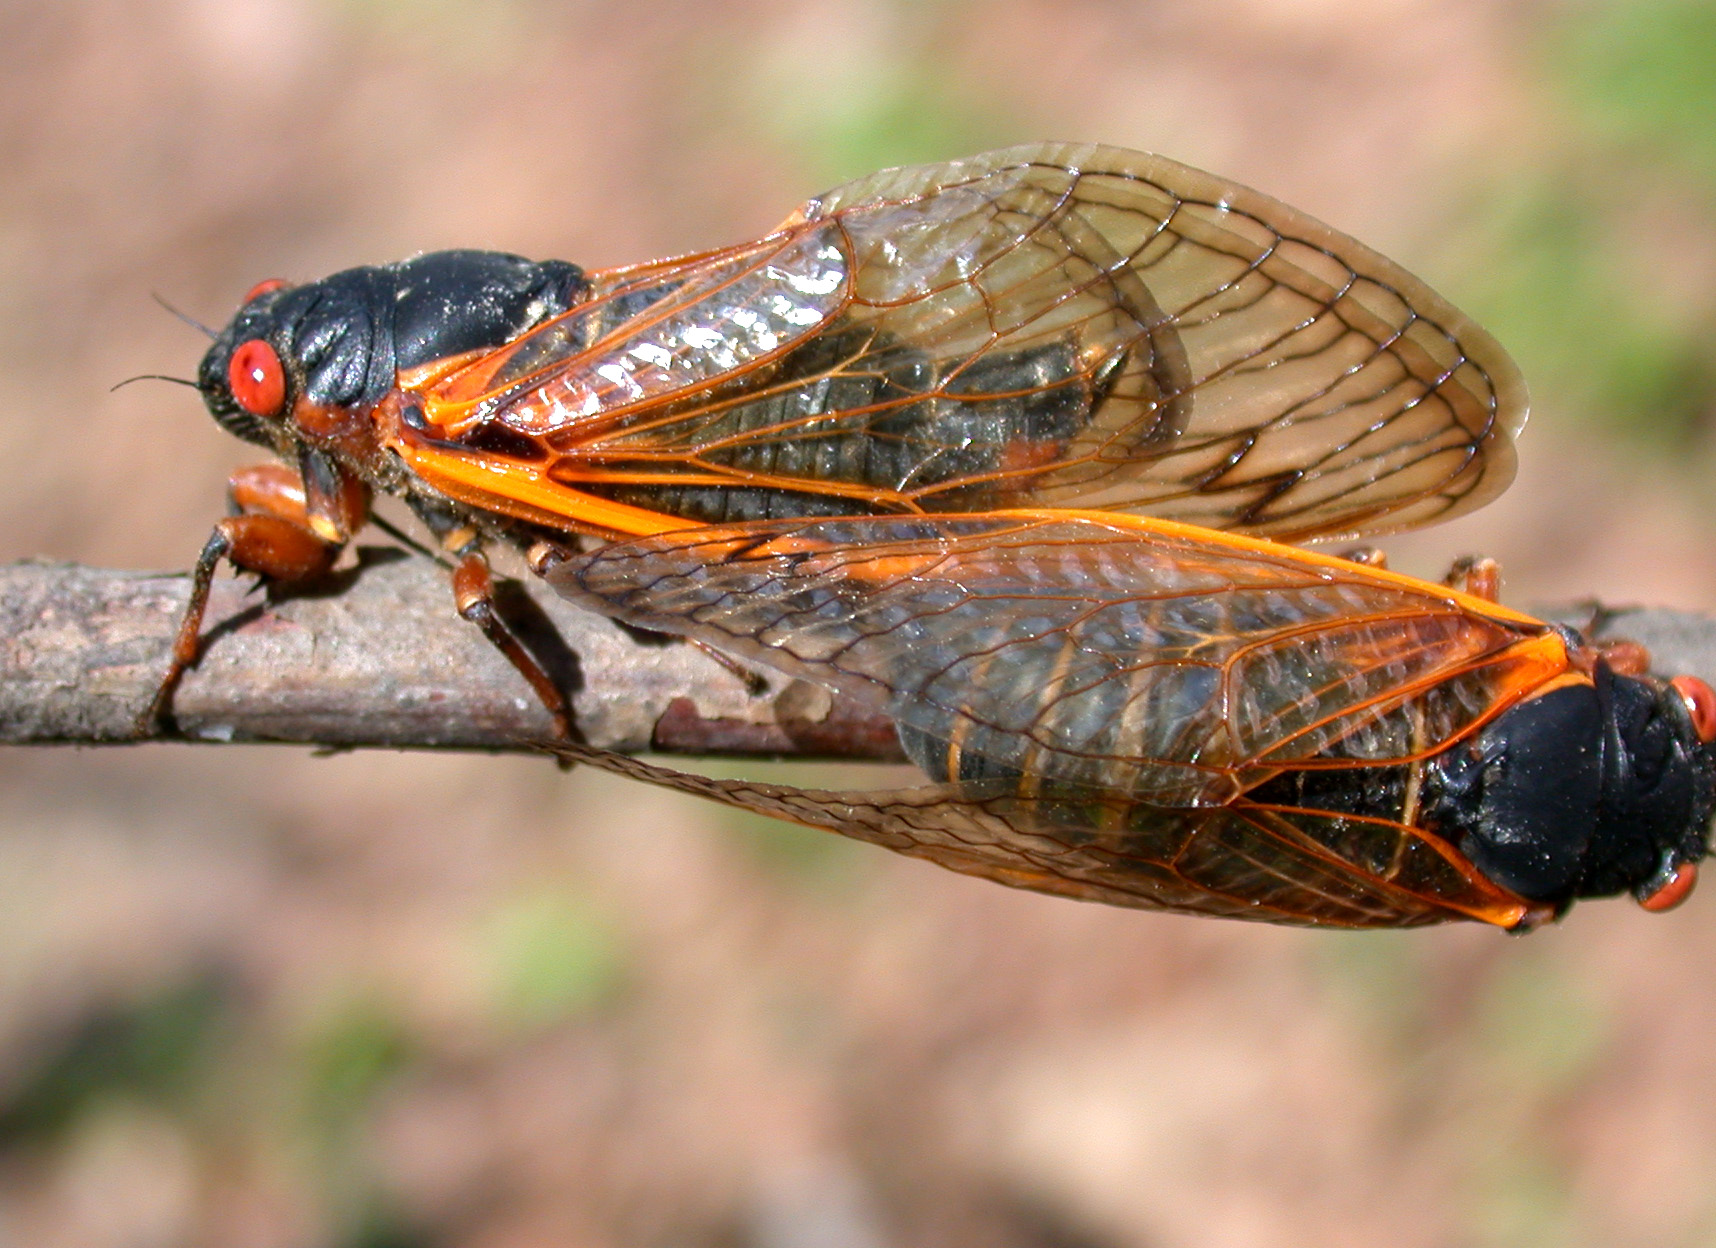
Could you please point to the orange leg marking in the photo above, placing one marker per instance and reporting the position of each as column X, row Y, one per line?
column 473, row 595
column 285, row 532
column 1476, row 575
column 271, row 537
column 1369, row 556
column 1624, row 657
column 270, row 489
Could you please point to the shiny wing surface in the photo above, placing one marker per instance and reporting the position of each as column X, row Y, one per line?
column 1292, row 867
column 1112, row 654
column 1051, row 325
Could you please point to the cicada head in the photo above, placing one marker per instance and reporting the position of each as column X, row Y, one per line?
column 1594, row 787
column 1663, row 781
column 296, row 359
column 243, row 376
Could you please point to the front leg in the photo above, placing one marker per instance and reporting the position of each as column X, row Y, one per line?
column 281, row 531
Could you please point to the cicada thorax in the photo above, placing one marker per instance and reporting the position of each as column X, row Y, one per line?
column 836, row 367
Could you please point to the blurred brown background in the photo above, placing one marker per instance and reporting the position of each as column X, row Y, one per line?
column 251, row 998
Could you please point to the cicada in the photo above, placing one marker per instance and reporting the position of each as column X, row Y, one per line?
column 1147, row 713
column 1012, row 449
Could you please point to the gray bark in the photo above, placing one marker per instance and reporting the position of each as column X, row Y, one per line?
column 376, row 657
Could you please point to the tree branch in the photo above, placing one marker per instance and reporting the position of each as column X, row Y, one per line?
column 377, row 657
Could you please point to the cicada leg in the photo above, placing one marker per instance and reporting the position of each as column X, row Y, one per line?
column 1369, row 556
column 281, row 532
column 1624, row 656
column 543, row 556
column 1476, row 575
column 756, row 684
column 474, row 597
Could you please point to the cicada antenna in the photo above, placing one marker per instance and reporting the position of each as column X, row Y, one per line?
column 186, row 318
column 177, row 381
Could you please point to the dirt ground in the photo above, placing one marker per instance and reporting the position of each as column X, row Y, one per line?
column 251, row 998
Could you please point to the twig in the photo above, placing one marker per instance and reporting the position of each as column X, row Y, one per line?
column 377, row 657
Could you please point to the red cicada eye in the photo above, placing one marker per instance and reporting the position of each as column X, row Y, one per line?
column 1673, row 890
column 257, row 379
column 1700, row 702
column 267, row 287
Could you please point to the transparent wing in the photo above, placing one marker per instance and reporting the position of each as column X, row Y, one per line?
column 1302, row 868
column 1157, row 662
column 1051, row 325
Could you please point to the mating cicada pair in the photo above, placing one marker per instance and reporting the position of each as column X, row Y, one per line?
column 1013, row 450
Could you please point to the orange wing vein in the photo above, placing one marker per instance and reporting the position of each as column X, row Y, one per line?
column 1051, row 325
column 1107, row 698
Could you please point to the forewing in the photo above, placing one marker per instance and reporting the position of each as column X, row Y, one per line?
column 1046, row 325
column 1111, row 654
column 648, row 334
column 1241, row 862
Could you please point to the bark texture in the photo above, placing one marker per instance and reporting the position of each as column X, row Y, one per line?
column 377, row 657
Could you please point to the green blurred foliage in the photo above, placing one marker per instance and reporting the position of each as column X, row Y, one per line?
column 1587, row 337
column 1539, row 1031
column 181, row 1049
column 1643, row 74
column 876, row 92
column 1523, row 1200
column 154, row 1049
column 1380, row 977
column 381, row 1226
column 552, row 956
column 344, row 1059
column 349, row 1052
column 818, row 861
column 1488, row 1061
column 809, row 857
column 1588, row 270
column 1536, row 1038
